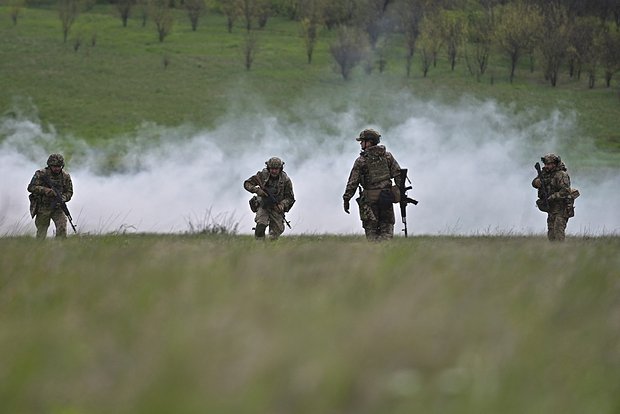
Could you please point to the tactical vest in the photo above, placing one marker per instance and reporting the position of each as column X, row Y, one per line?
column 377, row 169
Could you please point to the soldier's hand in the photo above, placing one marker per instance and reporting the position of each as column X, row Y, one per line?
column 261, row 192
column 280, row 207
column 346, row 206
column 50, row 193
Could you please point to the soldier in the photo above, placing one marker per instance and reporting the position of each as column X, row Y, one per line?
column 42, row 197
column 373, row 170
column 555, row 196
column 274, row 197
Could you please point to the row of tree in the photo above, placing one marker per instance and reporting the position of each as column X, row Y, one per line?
column 583, row 36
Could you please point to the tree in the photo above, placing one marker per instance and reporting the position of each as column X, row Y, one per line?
column 15, row 9
column 453, row 34
column 554, row 42
column 610, row 54
column 477, row 45
column 517, row 26
column 410, row 13
column 195, row 9
column 143, row 10
column 230, row 9
column 68, row 11
column 337, row 13
column 311, row 17
column 250, row 48
column 348, row 50
column 162, row 17
column 124, row 9
column 432, row 32
column 370, row 16
column 584, row 42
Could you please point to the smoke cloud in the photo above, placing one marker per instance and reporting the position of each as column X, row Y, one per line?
column 471, row 164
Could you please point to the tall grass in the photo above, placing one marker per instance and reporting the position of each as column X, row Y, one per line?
column 144, row 324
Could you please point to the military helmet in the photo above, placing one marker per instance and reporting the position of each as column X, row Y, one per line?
column 369, row 135
column 56, row 160
column 274, row 162
column 551, row 159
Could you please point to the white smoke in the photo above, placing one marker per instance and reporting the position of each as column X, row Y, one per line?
column 471, row 165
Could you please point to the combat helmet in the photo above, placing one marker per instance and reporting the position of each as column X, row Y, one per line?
column 551, row 159
column 274, row 162
column 369, row 135
column 56, row 160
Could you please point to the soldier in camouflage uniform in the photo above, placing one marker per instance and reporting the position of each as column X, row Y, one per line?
column 274, row 197
column 42, row 197
column 560, row 197
column 373, row 171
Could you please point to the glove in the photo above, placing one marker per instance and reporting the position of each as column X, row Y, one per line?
column 346, row 206
column 280, row 207
column 50, row 193
column 261, row 192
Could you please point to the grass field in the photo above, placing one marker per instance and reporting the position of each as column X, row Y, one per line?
column 111, row 88
column 322, row 324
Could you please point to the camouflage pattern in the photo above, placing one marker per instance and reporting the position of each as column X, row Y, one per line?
column 374, row 170
column 369, row 135
column 268, row 214
column 42, row 198
column 274, row 162
column 556, row 182
column 56, row 160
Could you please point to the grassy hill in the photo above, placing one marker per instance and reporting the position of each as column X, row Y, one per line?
column 143, row 324
column 109, row 88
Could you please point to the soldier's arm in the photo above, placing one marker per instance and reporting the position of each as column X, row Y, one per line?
column 394, row 168
column 251, row 183
column 536, row 182
column 36, row 185
column 563, row 185
column 355, row 178
column 68, row 190
column 289, row 196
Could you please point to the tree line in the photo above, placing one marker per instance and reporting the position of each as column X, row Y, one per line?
column 581, row 36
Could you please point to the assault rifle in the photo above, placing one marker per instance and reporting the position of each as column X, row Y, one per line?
column 58, row 201
column 274, row 202
column 404, row 199
column 543, row 190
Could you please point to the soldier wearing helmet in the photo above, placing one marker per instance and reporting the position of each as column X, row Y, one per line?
column 373, row 172
column 273, row 198
column 555, row 196
column 43, row 205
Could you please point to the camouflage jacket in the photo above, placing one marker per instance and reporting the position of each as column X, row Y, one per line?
column 373, row 169
column 38, row 186
column 281, row 187
column 556, row 184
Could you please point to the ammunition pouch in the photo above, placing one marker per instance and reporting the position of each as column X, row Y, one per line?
column 395, row 194
column 542, row 205
column 384, row 196
column 34, row 204
column 254, row 204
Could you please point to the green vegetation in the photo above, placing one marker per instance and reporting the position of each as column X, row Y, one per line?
column 143, row 324
column 120, row 77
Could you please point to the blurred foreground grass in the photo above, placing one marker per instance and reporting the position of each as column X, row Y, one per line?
column 161, row 324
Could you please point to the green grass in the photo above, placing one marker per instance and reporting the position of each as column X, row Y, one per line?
column 110, row 89
column 133, row 324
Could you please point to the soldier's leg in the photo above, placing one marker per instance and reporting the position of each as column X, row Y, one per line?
column 262, row 220
column 386, row 222
column 276, row 224
column 60, row 220
column 550, row 224
column 42, row 221
column 559, row 227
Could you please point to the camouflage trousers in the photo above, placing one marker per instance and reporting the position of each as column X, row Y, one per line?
column 377, row 220
column 42, row 221
column 556, row 226
column 269, row 217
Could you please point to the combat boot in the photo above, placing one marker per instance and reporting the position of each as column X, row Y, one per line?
column 259, row 231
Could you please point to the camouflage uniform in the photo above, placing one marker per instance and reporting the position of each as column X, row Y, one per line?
column 42, row 205
column 374, row 170
column 559, row 204
column 268, row 213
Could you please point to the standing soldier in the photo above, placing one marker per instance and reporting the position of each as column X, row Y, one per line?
column 555, row 196
column 274, row 197
column 374, row 170
column 44, row 203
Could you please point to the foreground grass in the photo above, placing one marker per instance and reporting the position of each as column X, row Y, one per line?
column 132, row 324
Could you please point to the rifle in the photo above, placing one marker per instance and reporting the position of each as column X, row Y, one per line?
column 543, row 190
column 274, row 201
column 58, row 201
column 404, row 199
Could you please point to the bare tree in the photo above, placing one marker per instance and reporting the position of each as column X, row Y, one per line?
column 15, row 9
column 410, row 13
column 348, row 50
column 162, row 17
column 311, row 12
column 68, row 11
column 195, row 9
column 516, row 30
column 583, row 50
column 453, row 34
column 477, row 44
column 230, row 9
column 250, row 48
column 611, row 54
column 554, row 41
column 124, row 9
column 143, row 10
